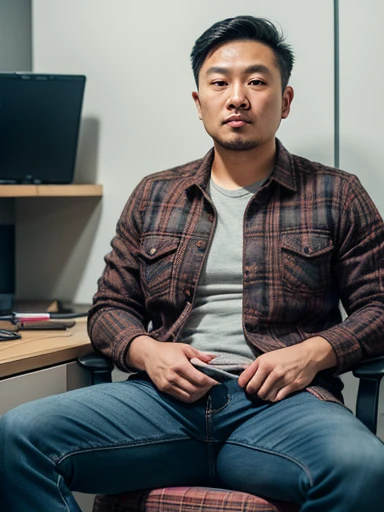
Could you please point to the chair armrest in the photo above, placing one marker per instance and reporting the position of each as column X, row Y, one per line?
column 371, row 368
column 100, row 367
column 370, row 373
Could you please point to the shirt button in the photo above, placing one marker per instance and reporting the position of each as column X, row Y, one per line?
column 152, row 251
column 201, row 244
column 307, row 250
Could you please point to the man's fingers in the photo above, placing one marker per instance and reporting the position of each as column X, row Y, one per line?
column 276, row 382
column 266, row 384
column 184, row 389
column 247, row 374
column 284, row 392
column 269, row 387
column 280, row 390
column 198, row 378
column 171, row 371
column 188, row 378
column 257, row 381
column 276, row 374
column 203, row 356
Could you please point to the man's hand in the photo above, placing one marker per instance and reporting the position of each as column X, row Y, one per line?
column 169, row 367
column 275, row 375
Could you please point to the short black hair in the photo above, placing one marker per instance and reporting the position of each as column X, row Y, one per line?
column 246, row 28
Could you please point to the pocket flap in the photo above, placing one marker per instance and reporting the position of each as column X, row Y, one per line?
column 154, row 247
column 308, row 245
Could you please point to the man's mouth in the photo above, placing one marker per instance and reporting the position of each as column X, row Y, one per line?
column 236, row 121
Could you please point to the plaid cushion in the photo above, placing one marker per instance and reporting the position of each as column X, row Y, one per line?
column 188, row 499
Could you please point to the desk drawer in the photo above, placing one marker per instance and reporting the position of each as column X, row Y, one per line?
column 39, row 384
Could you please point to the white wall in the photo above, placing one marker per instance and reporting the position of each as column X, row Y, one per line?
column 15, row 35
column 362, row 112
column 361, row 93
column 139, row 116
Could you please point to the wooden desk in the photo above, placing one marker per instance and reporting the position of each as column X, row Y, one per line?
column 41, row 364
column 40, row 349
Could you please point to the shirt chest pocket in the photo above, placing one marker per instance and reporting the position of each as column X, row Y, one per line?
column 306, row 262
column 157, row 256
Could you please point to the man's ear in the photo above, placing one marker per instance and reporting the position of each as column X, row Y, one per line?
column 195, row 96
column 288, row 95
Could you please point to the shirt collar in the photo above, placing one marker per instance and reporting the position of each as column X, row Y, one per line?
column 283, row 172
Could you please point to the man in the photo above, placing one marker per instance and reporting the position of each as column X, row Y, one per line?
column 241, row 256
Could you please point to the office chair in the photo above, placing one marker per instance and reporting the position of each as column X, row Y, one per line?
column 205, row 499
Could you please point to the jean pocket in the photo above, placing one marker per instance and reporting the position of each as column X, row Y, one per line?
column 306, row 259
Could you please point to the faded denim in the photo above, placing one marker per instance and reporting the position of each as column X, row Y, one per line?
column 124, row 436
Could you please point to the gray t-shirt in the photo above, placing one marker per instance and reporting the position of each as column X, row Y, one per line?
column 215, row 324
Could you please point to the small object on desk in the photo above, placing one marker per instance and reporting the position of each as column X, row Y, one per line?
column 6, row 335
column 58, row 307
column 8, row 325
column 46, row 326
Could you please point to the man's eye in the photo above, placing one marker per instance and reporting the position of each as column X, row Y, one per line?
column 256, row 82
column 219, row 83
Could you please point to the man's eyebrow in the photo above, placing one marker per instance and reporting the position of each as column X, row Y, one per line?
column 258, row 68
column 254, row 68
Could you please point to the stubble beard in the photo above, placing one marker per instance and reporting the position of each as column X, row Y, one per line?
column 237, row 145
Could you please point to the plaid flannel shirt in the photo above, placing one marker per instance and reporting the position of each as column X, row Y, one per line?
column 312, row 236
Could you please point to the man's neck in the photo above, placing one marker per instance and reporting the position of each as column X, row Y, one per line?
column 236, row 169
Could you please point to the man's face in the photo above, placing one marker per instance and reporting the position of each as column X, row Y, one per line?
column 240, row 98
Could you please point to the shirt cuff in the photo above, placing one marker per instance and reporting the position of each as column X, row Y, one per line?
column 346, row 346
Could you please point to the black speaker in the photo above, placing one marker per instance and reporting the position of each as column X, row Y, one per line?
column 7, row 266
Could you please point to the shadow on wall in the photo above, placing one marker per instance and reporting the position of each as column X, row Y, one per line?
column 54, row 239
column 88, row 151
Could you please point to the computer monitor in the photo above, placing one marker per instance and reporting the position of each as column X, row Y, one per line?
column 39, row 127
column 7, row 266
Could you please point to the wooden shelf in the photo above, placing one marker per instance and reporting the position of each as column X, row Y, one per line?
column 51, row 190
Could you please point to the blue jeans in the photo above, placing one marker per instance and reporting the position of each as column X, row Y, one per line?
column 123, row 436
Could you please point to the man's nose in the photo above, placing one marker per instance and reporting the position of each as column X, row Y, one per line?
column 237, row 98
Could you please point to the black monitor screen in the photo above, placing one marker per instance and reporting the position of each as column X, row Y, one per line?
column 39, row 127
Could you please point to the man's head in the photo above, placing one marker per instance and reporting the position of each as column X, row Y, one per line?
column 243, row 28
column 242, row 68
